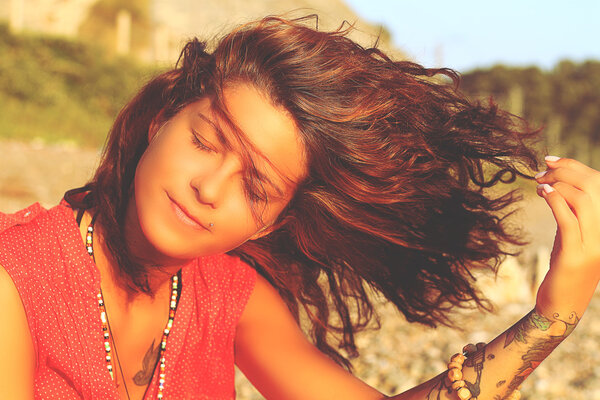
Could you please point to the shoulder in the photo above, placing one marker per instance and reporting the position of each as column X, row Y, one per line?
column 19, row 218
column 265, row 306
column 226, row 273
column 266, row 313
column 31, row 250
column 223, row 282
column 273, row 353
column 18, row 234
column 29, row 224
column 22, row 233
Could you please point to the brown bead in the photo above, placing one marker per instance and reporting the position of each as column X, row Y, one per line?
column 463, row 393
column 458, row 384
column 458, row 358
column 455, row 374
column 480, row 345
column 470, row 349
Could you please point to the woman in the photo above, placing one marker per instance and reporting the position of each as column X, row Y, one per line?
column 323, row 166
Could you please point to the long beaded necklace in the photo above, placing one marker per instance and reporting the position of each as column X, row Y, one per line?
column 106, row 327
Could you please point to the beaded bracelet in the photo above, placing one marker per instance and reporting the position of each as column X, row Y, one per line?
column 455, row 380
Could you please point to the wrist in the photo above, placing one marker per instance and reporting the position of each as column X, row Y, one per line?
column 557, row 322
column 560, row 296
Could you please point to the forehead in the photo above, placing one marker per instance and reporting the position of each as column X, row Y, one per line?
column 271, row 130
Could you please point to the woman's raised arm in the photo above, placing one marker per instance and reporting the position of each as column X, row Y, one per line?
column 499, row 368
column 572, row 190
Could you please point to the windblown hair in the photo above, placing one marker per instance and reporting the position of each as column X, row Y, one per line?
column 394, row 197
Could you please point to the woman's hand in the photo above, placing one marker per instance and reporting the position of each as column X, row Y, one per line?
column 572, row 190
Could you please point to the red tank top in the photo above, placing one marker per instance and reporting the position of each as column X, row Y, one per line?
column 43, row 252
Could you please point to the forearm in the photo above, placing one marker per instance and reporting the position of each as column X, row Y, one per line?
column 502, row 365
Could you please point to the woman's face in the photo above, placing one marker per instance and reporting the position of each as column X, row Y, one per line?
column 189, row 187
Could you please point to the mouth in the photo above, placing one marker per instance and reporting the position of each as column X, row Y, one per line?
column 184, row 216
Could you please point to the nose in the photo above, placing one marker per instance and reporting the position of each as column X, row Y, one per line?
column 212, row 183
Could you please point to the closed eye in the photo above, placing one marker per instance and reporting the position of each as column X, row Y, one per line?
column 201, row 143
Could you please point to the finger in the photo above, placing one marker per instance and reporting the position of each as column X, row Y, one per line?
column 566, row 221
column 555, row 162
column 574, row 177
column 582, row 206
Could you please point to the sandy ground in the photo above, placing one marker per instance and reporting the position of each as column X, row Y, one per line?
column 400, row 355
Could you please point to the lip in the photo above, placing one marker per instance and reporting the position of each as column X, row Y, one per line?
column 184, row 216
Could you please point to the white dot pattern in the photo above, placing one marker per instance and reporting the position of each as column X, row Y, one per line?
column 44, row 254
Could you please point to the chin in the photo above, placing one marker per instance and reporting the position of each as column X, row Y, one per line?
column 171, row 244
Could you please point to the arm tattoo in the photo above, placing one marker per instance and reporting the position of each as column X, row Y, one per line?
column 144, row 376
column 537, row 333
column 476, row 362
column 440, row 389
column 527, row 331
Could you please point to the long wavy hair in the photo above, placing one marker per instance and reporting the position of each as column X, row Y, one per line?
column 395, row 197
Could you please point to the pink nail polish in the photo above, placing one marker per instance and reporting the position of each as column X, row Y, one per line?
column 551, row 158
column 540, row 174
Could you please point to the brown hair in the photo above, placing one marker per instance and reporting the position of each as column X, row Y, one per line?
column 398, row 161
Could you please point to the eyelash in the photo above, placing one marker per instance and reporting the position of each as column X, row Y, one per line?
column 199, row 144
column 255, row 196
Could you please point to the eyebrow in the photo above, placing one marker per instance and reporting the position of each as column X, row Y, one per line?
column 220, row 134
column 270, row 182
column 223, row 140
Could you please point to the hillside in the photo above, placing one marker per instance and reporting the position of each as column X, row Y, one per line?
column 61, row 87
column 155, row 29
column 207, row 18
column 58, row 89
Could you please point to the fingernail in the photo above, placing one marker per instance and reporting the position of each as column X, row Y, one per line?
column 551, row 158
column 540, row 174
column 546, row 188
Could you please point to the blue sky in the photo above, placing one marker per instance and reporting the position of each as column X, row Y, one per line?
column 464, row 34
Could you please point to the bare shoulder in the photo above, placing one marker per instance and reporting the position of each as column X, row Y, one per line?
column 273, row 353
column 16, row 346
column 263, row 301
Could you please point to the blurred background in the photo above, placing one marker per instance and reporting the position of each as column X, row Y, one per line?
column 68, row 66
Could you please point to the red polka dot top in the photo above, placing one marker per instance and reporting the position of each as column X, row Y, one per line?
column 43, row 252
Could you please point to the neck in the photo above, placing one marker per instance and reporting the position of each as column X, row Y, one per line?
column 157, row 267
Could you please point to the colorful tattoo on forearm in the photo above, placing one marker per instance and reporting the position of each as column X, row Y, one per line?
column 527, row 331
column 476, row 361
column 541, row 336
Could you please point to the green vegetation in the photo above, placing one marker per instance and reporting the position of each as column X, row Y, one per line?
column 565, row 101
column 58, row 89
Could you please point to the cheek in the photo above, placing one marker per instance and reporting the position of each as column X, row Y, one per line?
column 247, row 222
column 145, row 193
column 236, row 219
column 164, row 162
column 145, row 179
